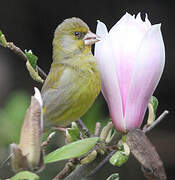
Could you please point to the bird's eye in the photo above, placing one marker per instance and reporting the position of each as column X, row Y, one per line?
column 79, row 35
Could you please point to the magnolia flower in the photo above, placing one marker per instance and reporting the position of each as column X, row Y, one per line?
column 131, row 59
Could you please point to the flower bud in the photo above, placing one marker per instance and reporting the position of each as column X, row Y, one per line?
column 28, row 154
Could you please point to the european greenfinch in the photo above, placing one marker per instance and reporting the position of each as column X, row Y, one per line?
column 73, row 82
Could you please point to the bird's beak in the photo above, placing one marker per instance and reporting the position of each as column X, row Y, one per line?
column 90, row 38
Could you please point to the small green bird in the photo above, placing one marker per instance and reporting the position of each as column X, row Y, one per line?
column 73, row 82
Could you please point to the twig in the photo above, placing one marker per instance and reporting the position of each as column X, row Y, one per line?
column 4, row 162
column 69, row 167
column 102, row 163
column 20, row 53
column 44, row 75
column 97, row 129
column 46, row 142
column 83, row 171
column 157, row 121
column 83, row 127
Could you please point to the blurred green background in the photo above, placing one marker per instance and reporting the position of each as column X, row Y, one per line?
column 30, row 25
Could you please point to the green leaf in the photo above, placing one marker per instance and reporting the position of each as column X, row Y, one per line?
column 113, row 177
column 154, row 102
column 25, row 175
column 1, row 38
column 106, row 131
column 33, row 73
column 3, row 41
column 124, row 138
column 89, row 158
column 119, row 158
column 152, row 107
column 31, row 58
column 72, row 150
column 32, row 66
column 73, row 133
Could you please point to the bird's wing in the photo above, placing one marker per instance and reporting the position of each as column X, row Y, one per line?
column 53, row 77
column 58, row 96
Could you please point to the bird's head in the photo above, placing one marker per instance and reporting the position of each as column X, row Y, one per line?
column 73, row 36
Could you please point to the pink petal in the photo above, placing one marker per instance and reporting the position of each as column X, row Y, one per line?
column 147, row 72
column 125, row 37
column 110, row 87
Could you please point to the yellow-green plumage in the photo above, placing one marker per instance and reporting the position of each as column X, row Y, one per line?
column 73, row 82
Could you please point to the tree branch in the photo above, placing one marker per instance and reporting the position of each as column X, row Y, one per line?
column 20, row 53
column 83, row 171
column 69, row 167
column 104, row 161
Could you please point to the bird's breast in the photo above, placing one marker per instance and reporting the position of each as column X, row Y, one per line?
column 90, row 85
